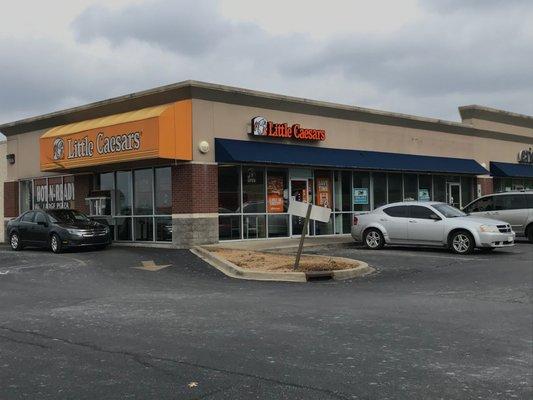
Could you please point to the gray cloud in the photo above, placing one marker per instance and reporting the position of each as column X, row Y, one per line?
column 455, row 55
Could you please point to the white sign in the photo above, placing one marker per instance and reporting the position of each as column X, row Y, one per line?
column 318, row 213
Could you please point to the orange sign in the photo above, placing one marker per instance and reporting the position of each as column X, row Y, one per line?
column 155, row 132
column 262, row 127
column 275, row 194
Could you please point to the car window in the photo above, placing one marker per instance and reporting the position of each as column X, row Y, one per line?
column 420, row 212
column 40, row 217
column 397, row 211
column 448, row 211
column 482, row 205
column 510, row 202
column 529, row 198
column 28, row 217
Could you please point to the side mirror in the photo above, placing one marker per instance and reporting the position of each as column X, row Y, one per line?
column 434, row 217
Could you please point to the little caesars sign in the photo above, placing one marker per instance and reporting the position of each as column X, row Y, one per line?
column 86, row 148
column 525, row 156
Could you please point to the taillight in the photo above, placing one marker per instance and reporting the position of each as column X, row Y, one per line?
column 355, row 220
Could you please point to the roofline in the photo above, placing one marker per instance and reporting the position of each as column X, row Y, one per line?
column 191, row 89
column 475, row 111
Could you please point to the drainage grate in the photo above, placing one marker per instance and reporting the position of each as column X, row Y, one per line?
column 319, row 276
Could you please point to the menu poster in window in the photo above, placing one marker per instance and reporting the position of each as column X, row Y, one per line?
column 275, row 194
column 423, row 195
column 54, row 193
column 323, row 192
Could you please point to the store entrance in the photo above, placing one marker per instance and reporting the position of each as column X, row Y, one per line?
column 454, row 194
column 299, row 192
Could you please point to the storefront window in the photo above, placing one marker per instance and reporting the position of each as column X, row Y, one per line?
column 278, row 225
column 253, row 190
column 324, row 228
column 424, row 187
column 439, row 188
column 380, row 188
column 323, row 189
column 163, row 229
column 361, row 191
column 25, row 196
column 467, row 190
column 343, row 188
column 277, row 191
column 229, row 227
column 395, row 186
column 410, row 184
column 163, row 191
column 143, row 228
column 143, row 192
column 228, row 189
column 107, row 181
column 123, row 193
column 123, row 228
column 254, row 226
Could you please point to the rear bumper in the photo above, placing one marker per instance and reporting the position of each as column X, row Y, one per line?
column 487, row 239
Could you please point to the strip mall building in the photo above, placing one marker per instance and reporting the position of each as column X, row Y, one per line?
column 194, row 163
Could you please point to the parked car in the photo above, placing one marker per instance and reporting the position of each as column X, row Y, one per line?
column 57, row 230
column 515, row 208
column 430, row 224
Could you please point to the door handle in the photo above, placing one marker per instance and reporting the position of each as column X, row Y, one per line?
column 383, row 219
column 412, row 221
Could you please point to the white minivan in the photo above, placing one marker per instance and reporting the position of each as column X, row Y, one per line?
column 515, row 208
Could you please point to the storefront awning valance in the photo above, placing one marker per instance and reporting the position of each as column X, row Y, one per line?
column 163, row 131
column 238, row 151
column 510, row 170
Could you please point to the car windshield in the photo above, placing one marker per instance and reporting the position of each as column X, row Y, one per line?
column 67, row 216
column 448, row 211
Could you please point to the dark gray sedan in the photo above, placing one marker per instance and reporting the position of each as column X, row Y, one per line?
column 57, row 230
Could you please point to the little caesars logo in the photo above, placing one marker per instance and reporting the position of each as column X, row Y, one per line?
column 525, row 156
column 81, row 148
column 263, row 127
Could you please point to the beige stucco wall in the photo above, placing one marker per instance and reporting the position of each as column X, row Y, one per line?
column 3, row 173
column 222, row 120
column 212, row 119
column 499, row 127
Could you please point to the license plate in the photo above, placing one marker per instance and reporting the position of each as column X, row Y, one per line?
column 510, row 239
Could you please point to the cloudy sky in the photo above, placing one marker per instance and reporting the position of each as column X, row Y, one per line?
column 422, row 57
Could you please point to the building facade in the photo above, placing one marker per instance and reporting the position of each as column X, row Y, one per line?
column 3, row 173
column 194, row 163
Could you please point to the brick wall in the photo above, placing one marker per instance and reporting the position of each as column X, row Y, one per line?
column 82, row 187
column 486, row 185
column 11, row 199
column 194, row 188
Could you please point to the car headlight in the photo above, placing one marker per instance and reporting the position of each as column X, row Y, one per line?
column 489, row 228
column 74, row 232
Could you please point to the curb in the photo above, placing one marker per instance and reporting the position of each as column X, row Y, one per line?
column 234, row 271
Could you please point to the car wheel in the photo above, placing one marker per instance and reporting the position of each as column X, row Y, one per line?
column 14, row 241
column 55, row 244
column 374, row 239
column 462, row 242
column 530, row 233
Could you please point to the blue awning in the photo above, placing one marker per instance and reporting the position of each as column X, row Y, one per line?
column 240, row 151
column 511, row 170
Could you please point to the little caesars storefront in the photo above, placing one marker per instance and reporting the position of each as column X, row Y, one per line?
column 195, row 163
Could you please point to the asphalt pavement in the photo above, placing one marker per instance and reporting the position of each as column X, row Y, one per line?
column 427, row 325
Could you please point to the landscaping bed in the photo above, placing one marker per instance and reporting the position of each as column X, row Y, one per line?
column 266, row 261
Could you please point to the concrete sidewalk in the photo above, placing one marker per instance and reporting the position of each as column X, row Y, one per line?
column 283, row 243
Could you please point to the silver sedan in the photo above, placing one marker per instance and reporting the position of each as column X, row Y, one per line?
column 430, row 224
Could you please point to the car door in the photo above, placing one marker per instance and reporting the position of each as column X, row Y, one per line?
column 482, row 207
column 39, row 230
column 395, row 222
column 511, row 208
column 424, row 225
column 25, row 225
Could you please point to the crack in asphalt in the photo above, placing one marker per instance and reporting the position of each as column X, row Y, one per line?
column 139, row 359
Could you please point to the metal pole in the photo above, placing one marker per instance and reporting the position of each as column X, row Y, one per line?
column 304, row 231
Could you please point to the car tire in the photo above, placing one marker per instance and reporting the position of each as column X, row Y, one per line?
column 55, row 244
column 373, row 239
column 462, row 242
column 530, row 233
column 14, row 242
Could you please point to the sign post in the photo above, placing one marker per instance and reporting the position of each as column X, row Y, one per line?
column 309, row 211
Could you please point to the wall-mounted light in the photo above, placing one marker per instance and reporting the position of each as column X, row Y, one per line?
column 203, row 146
column 10, row 158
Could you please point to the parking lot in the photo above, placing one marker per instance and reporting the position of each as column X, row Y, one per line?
column 103, row 324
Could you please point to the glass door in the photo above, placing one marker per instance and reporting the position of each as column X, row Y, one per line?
column 454, row 194
column 299, row 192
